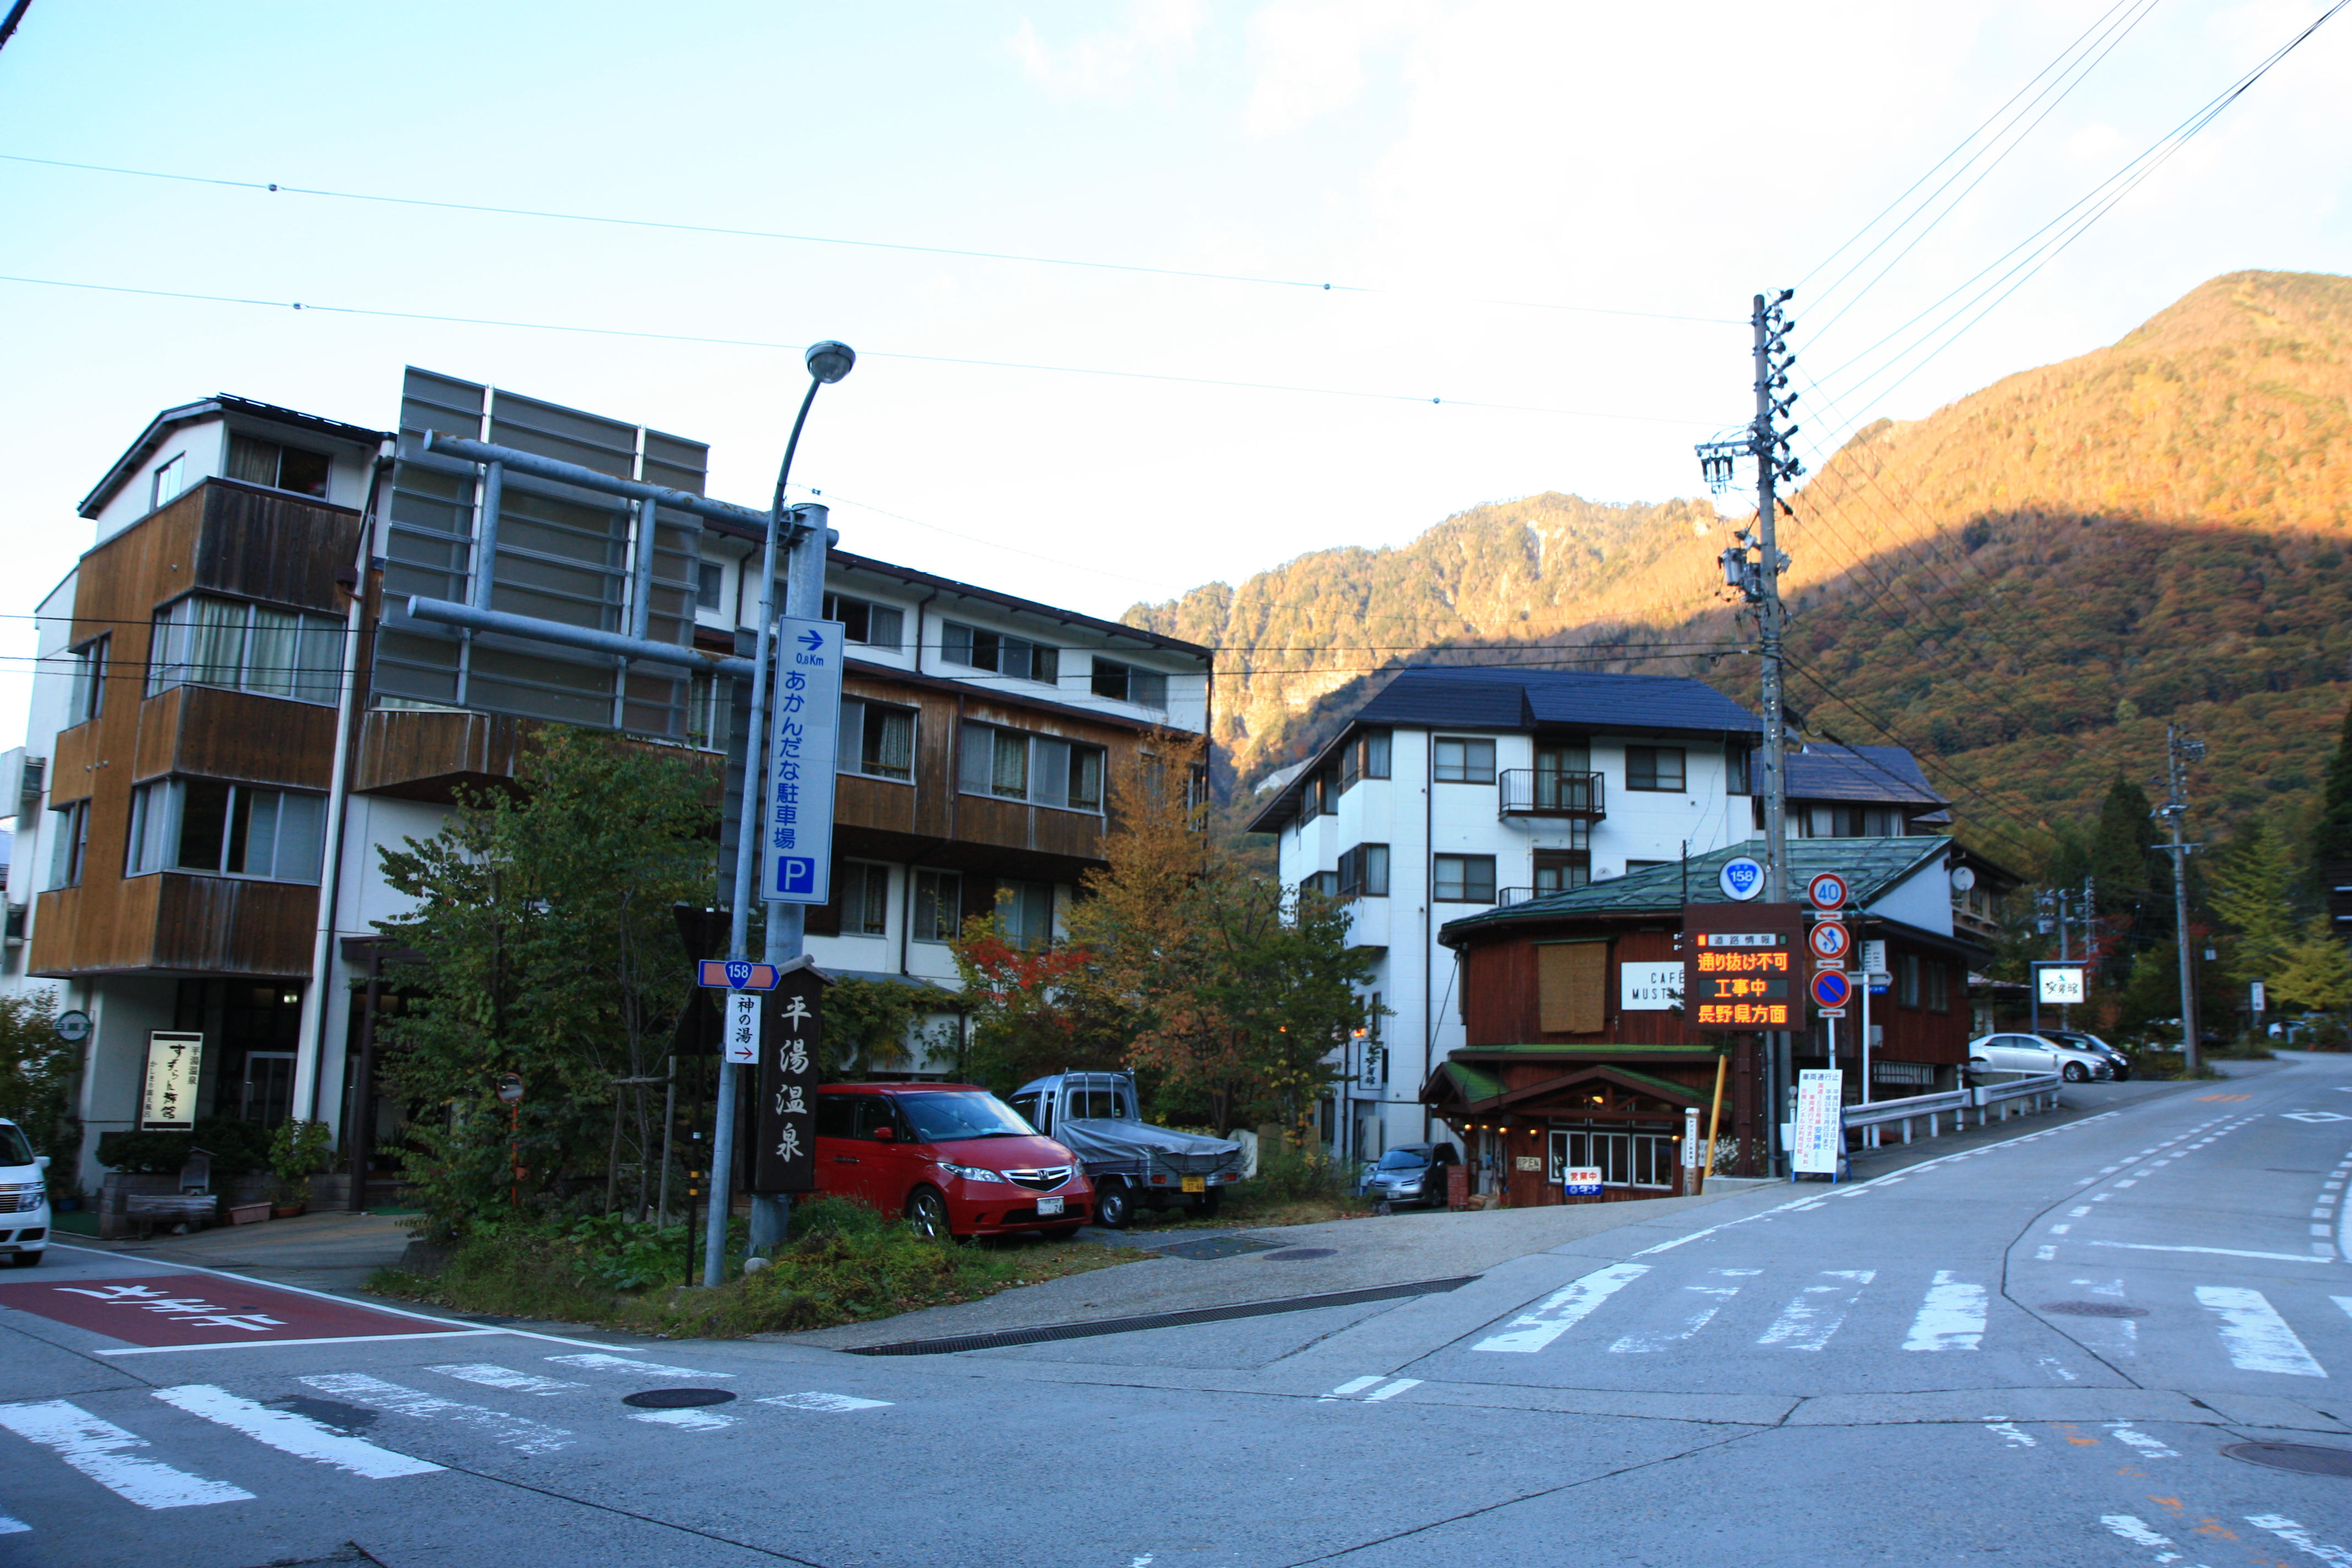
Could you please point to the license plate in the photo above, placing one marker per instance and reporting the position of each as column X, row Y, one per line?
column 1048, row 1207
column 1196, row 1184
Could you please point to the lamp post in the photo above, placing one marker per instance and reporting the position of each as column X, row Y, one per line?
column 827, row 362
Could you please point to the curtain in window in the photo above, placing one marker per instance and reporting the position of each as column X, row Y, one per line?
column 1010, row 776
column 254, row 462
column 319, row 665
column 849, row 740
column 978, row 759
column 167, row 649
column 215, row 642
column 1085, row 778
column 894, row 746
column 1053, row 764
column 273, row 653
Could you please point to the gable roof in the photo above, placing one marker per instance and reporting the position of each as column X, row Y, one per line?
column 135, row 456
column 1824, row 770
column 1870, row 866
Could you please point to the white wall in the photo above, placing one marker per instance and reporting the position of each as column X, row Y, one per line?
column 1923, row 900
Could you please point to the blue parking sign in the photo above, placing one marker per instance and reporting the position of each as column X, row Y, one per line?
column 796, row 822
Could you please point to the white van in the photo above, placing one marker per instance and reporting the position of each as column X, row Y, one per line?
column 23, row 1198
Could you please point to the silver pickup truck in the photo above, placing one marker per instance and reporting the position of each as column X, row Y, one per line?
column 1131, row 1163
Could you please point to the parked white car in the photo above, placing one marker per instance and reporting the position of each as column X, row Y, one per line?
column 24, row 1199
column 2033, row 1053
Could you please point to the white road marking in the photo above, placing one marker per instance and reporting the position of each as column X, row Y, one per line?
column 2010, row 1435
column 2217, row 1251
column 2150, row 1446
column 1392, row 1390
column 101, row 1450
column 2045, row 1255
column 2344, row 1302
column 2078, row 1214
column 1814, row 1314
column 1353, row 1385
column 623, row 1364
column 2134, row 1530
column 2060, row 1229
column 327, row 1340
column 490, row 1375
column 1563, row 1309
column 290, row 1432
column 13, row 1526
column 2257, row 1337
column 689, row 1419
column 511, row 1431
column 1952, row 1318
column 2055, row 1366
column 2294, row 1536
column 840, row 1402
column 1717, row 1297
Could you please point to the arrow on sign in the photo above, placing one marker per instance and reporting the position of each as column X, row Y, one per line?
column 812, row 640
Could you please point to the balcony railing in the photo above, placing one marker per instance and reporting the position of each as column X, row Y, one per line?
column 1539, row 791
column 1513, row 896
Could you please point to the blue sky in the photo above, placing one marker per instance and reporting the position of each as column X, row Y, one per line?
column 1434, row 155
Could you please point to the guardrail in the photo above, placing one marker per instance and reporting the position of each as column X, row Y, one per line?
column 2039, row 1086
column 1867, row 1119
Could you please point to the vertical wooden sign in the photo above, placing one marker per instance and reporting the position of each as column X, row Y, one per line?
column 792, row 1016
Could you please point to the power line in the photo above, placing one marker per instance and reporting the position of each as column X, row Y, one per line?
column 868, row 353
column 676, row 227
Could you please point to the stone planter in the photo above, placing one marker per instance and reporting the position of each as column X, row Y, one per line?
column 247, row 1213
column 286, row 1211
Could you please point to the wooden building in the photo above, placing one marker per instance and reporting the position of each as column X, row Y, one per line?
column 1577, row 1053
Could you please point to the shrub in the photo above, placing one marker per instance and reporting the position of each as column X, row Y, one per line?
column 237, row 1148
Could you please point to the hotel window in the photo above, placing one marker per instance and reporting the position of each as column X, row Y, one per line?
column 1464, row 761
column 202, row 641
column 170, row 478
column 224, row 829
column 876, row 740
column 1041, row 769
column 259, row 462
column 938, row 906
column 1464, row 879
column 709, row 708
column 978, row 648
column 72, row 842
column 1557, row 870
column 1025, row 913
column 1737, row 760
column 1364, row 872
column 1366, row 757
column 709, row 579
column 1126, row 683
column 1655, row 768
column 864, row 898
column 876, row 625
column 1324, row 883
column 88, row 695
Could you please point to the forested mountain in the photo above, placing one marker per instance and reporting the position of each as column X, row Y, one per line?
column 2023, row 586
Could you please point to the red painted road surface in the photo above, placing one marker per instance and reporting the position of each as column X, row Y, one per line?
column 199, row 1309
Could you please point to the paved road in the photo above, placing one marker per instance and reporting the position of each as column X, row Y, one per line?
column 2029, row 1350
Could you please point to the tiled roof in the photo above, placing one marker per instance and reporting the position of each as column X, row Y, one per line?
column 1489, row 697
column 1825, row 771
column 1870, row 867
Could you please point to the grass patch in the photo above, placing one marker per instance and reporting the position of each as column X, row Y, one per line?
column 843, row 1263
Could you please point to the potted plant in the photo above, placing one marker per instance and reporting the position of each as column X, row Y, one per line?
column 297, row 1149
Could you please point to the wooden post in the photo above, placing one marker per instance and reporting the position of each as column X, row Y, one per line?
column 1714, row 1118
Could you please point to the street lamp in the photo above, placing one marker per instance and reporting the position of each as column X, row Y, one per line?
column 827, row 363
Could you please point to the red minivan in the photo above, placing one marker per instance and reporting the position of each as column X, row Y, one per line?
column 951, row 1157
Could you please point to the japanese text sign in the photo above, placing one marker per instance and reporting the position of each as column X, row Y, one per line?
column 792, row 1018
column 741, row 1044
column 796, row 822
column 173, row 1065
column 1819, row 1140
column 1738, row 961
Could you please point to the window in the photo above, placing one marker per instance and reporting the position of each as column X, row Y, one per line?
column 710, row 577
column 1364, row 872
column 1324, row 883
column 1657, row 768
column 864, row 898
column 1623, row 1159
column 1025, row 912
column 170, row 478
column 1738, row 759
column 1633, row 866
column 1327, row 793
column 876, row 625
column 1464, row 879
column 982, row 650
column 877, row 741
column 1849, row 822
column 203, row 641
column 1939, row 995
column 71, row 843
column 259, row 462
column 709, row 711
column 938, row 906
column 1125, row 683
column 1366, row 757
column 1556, row 870
column 1461, row 760
column 1907, row 979
column 89, row 693
column 1042, row 769
column 224, row 829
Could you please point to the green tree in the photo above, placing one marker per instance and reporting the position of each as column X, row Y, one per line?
column 2253, row 894
column 2122, row 851
column 2316, row 969
column 38, row 1074
column 542, row 914
column 2331, row 837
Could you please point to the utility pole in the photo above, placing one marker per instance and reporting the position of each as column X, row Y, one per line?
column 1757, row 578
column 2180, row 750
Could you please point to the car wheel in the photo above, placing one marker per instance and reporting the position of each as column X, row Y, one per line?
column 927, row 1211
column 28, row 1259
column 1209, row 1203
column 2074, row 1072
column 1114, row 1209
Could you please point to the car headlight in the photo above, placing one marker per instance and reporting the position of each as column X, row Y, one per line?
column 972, row 1173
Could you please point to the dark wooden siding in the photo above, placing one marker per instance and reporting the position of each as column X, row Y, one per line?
column 262, row 544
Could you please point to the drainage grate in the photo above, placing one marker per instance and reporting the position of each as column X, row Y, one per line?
column 2304, row 1459
column 1202, row 1249
column 2093, row 1310
column 1300, row 1253
column 1163, row 1320
column 676, row 1398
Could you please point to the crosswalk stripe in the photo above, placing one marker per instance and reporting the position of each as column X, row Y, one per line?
column 290, row 1432
column 1717, row 1298
column 2257, row 1337
column 2295, row 1535
column 689, row 1420
column 13, row 1526
column 1952, row 1318
column 1563, row 1309
column 1353, row 1385
column 1814, row 1314
column 842, row 1402
column 623, row 1364
column 491, row 1375
column 101, row 1450
column 1392, row 1390
column 512, row 1431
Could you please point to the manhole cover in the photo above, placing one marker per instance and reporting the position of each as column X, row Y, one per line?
column 676, row 1398
column 2305, row 1459
column 1300, row 1253
column 1208, row 1248
column 2093, row 1310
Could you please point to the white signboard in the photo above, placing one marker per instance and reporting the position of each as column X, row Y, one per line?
column 1582, row 1180
column 1818, row 1137
column 1742, row 878
column 1873, row 966
column 1649, row 987
column 1690, row 1137
column 796, row 834
column 742, row 1045
column 2259, row 996
column 2061, row 986
column 175, row 1063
